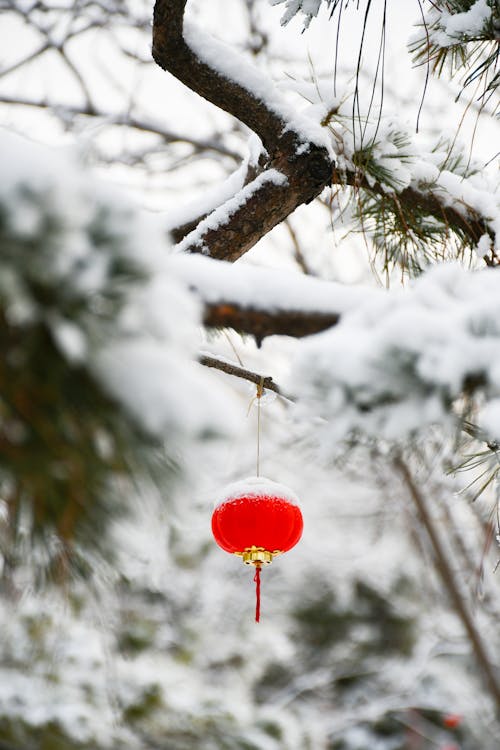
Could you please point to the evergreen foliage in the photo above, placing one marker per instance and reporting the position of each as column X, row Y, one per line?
column 72, row 292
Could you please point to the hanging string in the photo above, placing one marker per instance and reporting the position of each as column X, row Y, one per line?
column 256, row 578
column 260, row 391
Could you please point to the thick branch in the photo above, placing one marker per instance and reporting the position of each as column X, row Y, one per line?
column 259, row 301
column 172, row 53
column 302, row 164
column 235, row 227
column 262, row 323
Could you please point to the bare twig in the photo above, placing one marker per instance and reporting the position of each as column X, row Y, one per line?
column 298, row 254
column 124, row 120
column 447, row 576
column 240, row 372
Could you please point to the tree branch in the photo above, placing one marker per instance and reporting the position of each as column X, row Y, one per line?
column 124, row 120
column 265, row 381
column 298, row 166
column 434, row 202
column 172, row 53
column 262, row 323
column 446, row 573
column 236, row 226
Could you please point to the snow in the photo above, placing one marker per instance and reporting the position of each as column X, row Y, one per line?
column 455, row 27
column 483, row 248
column 144, row 351
column 476, row 192
column 310, row 8
column 209, row 201
column 234, row 67
column 253, row 287
column 256, row 487
column 71, row 340
column 489, row 419
column 159, row 389
column 395, row 365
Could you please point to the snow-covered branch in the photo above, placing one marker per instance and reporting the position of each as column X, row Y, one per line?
column 403, row 361
column 299, row 157
column 260, row 302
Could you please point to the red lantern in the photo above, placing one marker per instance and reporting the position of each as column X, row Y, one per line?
column 257, row 519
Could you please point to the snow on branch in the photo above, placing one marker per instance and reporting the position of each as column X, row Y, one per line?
column 401, row 361
column 216, row 72
column 298, row 151
column 309, row 8
column 465, row 34
column 419, row 199
column 261, row 302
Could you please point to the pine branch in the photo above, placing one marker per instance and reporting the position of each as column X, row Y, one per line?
column 460, row 219
column 297, row 170
column 172, row 53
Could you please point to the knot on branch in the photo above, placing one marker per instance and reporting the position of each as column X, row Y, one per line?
column 320, row 167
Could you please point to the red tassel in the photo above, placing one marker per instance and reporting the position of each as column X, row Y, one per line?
column 256, row 578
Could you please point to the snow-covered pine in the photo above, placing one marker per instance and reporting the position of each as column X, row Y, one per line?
column 404, row 360
column 462, row 37
column 98, row 340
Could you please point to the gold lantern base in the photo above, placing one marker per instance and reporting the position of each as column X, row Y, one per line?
column 257, row 556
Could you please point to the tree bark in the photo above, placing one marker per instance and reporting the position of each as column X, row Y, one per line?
column 262, row 323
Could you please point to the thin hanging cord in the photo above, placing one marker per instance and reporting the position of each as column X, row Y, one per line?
column 256, row 578
column 258, row 437
column 260, row 391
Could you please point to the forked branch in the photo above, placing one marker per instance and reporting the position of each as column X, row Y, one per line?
column 298, row 165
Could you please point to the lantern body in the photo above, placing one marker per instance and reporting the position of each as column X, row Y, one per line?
column 257, row 519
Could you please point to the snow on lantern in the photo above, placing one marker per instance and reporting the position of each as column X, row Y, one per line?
column 257, row 519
